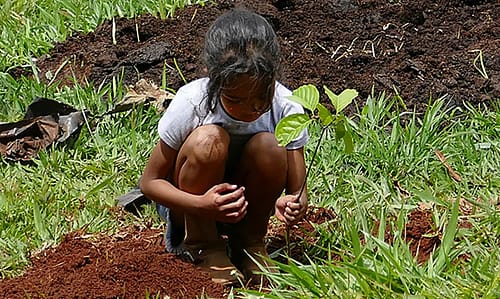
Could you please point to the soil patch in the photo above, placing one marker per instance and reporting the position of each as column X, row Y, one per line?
column 421, row 50
column 130, row 264
column 298, row 241
column 133, row 262
column 420, row 233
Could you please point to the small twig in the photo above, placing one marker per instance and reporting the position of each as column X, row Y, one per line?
column 336, row 50
column 194, row 15
column 401, row 46
column 322, row 48
column 113, row 32
column 450, row 169
column 481, row 69
column 137, row 32
column 372, row 47
column 58, row 70
column 341, row 56
column 386, row 26
column 352, row 44
column 287, row 231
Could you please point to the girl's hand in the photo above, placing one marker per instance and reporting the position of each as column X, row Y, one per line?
column 289, row 209
column 224, row 203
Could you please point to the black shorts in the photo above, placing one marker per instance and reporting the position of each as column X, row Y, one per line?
column 236, row 145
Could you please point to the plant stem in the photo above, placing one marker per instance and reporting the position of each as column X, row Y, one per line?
column 323, row 130
column 287, row 231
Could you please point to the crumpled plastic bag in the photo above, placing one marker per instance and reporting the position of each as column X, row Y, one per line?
column 46, row 122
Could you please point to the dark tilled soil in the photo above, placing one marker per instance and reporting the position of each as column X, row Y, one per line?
column 421, row 49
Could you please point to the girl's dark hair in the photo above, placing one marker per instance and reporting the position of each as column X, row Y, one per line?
column 240, row 42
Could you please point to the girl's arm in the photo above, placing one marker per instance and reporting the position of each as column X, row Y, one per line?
column 289, row 208
column 155, row 182
column 156, row 185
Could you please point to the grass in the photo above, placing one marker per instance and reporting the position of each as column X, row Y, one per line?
column 393, row 170
column 361, row 188
column 387, row 153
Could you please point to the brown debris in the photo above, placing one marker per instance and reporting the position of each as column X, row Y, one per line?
column 450, row 169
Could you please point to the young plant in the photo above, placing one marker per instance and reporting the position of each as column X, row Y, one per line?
column 291, row 126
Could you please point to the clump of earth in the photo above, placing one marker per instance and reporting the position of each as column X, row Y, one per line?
column 419, row 50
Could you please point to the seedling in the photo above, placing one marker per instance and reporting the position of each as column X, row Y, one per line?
column 291, row 126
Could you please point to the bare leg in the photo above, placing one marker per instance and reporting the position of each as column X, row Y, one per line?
column 263, row 172
column 200, row 165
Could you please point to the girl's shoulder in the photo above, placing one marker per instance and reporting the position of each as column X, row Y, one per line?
column 281, row 100
column 281, row 91
column 194, row 91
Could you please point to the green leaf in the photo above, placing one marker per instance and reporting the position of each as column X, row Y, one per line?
column 343, row 99
column 324, row 115
column 307, row 96
column 290, row 127
column 339, row 130
column 41, row 229
column 356, row 241
column 381, row 227
column 443, row 254
column 349, row 145
column 451, row 230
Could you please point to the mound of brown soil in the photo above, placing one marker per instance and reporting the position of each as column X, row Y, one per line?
column 130, row 264
column 133, row 263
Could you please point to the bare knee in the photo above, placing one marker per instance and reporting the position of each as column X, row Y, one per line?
column 263, row 150
column 207, row 145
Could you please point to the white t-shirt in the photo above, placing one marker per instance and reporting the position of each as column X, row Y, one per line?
column 189, row 110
